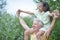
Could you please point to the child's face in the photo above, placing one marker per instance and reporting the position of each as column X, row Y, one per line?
column 40, row 6
column 36, row 25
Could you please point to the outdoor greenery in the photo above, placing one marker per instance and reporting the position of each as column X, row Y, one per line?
column 11, row 29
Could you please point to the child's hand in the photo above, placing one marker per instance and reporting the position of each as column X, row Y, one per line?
column 56, row 12
column 56, row 16
column 18, row 12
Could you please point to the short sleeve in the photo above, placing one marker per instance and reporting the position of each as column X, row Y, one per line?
column 47, row 13
column 34, row 16
column 35, row 13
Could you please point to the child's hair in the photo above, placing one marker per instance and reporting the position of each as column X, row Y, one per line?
column 46, row 6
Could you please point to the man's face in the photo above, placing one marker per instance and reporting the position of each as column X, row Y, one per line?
column 36, row 25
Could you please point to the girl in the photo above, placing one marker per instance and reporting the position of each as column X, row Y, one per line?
column 43, row 14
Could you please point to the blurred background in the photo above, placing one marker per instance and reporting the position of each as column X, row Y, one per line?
column 10, row 28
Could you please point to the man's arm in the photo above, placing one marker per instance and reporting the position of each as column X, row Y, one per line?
column 22, row 22
column 52, row 26
column 24, row 25
column 51, row 14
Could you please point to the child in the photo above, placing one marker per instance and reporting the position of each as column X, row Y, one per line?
column 37, row 24
column 43, row 15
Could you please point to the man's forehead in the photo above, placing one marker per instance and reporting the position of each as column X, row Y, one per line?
column 36, row 21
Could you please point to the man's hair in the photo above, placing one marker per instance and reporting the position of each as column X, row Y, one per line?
column 40, row 22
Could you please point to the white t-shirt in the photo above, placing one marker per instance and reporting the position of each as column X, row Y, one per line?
column 44, row 17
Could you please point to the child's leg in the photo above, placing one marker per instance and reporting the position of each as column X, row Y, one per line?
column 39, row 34
column 26, row 34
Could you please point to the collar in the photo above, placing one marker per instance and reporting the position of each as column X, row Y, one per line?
column 41, row 13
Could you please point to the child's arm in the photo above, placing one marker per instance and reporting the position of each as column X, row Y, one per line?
column 27, row 12
column 56, row 12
